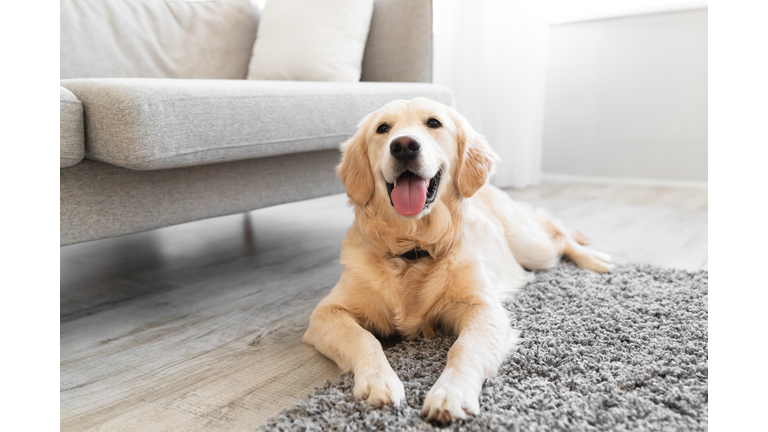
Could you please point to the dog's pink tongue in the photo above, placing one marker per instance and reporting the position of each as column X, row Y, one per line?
column 409, row 194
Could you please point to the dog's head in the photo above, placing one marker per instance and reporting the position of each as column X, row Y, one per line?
column 411, row 158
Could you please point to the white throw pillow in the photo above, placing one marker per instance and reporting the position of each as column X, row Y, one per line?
column 311, row 40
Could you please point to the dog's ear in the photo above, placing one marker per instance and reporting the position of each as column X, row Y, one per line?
column 476, row 157
column 354, row 169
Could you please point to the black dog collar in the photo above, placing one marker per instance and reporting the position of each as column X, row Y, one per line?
column 414, row 254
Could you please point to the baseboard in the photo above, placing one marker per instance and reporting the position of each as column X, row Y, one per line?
column 607, row 13
column 568, row 178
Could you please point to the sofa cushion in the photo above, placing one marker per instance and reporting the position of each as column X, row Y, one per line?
column 310, row 40
column 148, row 124
column 156, row 38
column 399, row 46
column 71, row 135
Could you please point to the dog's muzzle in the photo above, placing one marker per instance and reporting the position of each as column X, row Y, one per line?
column 411, row 194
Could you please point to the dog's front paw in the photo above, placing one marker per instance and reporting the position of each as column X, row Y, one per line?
column 379, row 386
column 448, row 400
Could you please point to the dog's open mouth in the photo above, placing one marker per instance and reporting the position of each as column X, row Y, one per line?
column 411, row 194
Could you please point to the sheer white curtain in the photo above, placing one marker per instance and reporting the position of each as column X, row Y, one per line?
column 492, row 54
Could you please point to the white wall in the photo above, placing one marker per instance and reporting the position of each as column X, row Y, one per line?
column 492, row 54
column 627, row 97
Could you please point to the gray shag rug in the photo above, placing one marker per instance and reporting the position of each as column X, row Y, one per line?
column 623, row 351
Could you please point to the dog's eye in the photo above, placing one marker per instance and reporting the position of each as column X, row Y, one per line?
column 433, row 123
column 383, row 128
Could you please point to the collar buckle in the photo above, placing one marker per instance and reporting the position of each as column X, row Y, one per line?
column 414, row 254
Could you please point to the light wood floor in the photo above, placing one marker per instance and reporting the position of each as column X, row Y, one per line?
column 199, row 325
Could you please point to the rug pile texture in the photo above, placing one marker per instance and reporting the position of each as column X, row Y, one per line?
column 623, row 351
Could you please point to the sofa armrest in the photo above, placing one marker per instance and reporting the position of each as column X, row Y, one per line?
column 399, row 46
column 71, row 129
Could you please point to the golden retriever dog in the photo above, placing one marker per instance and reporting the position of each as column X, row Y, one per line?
column 433, row 249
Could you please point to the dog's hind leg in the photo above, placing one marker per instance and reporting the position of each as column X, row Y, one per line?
column 571, row 244
column 579, row 237
column 587, row 258
column 537, row 239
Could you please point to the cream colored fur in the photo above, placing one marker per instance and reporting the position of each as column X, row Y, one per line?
column 483, row 246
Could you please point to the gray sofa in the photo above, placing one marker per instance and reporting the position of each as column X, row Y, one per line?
column 159, row 125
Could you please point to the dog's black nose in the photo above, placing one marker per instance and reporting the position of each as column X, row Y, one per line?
column 404, row 148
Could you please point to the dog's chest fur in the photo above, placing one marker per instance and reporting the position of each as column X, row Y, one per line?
column 424, row 296
column 416, row 295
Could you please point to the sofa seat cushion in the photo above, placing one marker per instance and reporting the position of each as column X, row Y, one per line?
column 148, row 124
column 71, row 134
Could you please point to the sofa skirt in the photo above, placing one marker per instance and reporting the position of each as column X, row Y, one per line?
column 99, row 200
